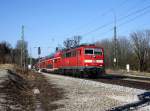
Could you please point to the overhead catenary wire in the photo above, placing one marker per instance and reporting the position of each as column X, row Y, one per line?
column 128, row 21
column 135, row 12
column 118, row 20
column 102, row 14
column 111, row 22
column 134, row 18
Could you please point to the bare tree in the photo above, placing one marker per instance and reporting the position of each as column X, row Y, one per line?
column 58, row 48
column 124, row 51
column 5, row 52
column 141, row 44
column 68, row 43
column 72, row 42
column 76, row 40
column 21, row 45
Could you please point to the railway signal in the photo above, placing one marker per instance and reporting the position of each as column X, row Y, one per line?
column 39, row 50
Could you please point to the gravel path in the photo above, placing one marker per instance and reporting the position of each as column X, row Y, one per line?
column 86, row 95
column 3, row 77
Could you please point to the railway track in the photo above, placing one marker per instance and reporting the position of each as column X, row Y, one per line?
column 127, row 81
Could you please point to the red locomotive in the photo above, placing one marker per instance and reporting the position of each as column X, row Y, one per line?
column 84, row 60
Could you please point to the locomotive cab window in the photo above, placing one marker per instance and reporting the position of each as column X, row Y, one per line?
column 88, row 51
column 98, row 51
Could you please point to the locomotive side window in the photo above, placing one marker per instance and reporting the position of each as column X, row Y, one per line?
column 88, row 51
column 64, row 55
column 98, row 51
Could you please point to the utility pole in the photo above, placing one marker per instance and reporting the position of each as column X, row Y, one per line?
column 115, row 47
column 39, row 52
column 22, row 48
column 115, row 42
column 30, row 58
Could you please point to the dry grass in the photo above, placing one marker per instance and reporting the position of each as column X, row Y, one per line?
column 20, row 96
column 7, row 66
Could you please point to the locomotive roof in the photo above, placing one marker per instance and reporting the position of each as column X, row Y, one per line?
column 83, row 45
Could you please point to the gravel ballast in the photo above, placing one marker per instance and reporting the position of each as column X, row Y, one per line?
column 87, row 95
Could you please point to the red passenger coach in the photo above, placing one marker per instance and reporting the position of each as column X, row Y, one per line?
column 84, row 60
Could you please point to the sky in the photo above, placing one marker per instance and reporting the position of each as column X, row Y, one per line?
column 49, row 22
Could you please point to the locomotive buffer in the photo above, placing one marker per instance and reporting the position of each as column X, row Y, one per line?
column 144, row 100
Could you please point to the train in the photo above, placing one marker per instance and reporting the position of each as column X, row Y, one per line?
column 80, row 61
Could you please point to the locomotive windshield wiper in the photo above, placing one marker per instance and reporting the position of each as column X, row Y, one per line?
column 144, row 100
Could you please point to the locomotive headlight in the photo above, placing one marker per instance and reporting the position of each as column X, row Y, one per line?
column 99, row 61
column 88, row 61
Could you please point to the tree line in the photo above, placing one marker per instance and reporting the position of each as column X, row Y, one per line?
column 8, row 54
column 133, row 50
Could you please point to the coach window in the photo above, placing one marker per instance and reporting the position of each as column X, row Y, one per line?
column 68, row 54
column 74, row 53
column 63, row 55
column 71, row 53
column 88, row 51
